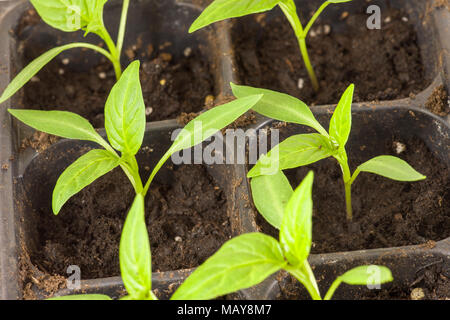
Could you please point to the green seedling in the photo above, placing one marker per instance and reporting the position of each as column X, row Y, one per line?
column 226, row 9
column 71, row 16
column 125, row 128
column 249, row 259
column 270, row 190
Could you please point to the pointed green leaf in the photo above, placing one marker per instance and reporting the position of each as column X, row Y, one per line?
column 211, row 121
column 367, row 275
column 296, row 228
column 59, row 123
column 225, row 9
column 240, row 263
column 69, row 15
column 82, row 297
column 338, row 1
column 341, row 121
column 125, row 112
column 280, row 106
column 391, row 167
column 271, row 194
column 295, row 151
column 82, row 173
column 37, row 64
column 135, row 256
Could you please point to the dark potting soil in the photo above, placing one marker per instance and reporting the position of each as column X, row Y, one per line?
column 170, row 85
column 430, row 284
column 169, row 88
column 386, row 213
column 383, row 64
column 186, row 217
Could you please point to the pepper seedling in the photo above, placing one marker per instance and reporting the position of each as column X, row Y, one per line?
column 270, row 190
column 226, row 9
column 71, row 16
column 249, row 259
column 125, row 128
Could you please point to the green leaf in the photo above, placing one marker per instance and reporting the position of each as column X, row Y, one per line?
column 338, row 1
column 367, row 275
column 295, row 151
column 69, row 15
column 240, row 263
column 225, row 9
column 392, row 168
column 211, row 121
column 280, row 106
column 37, row 64
column 296, row 228
column 60, row 123
column 82, row 297
column 271, row 194
column 85, row 170
column 134, row 253
column 341, row 121
column 125, row 112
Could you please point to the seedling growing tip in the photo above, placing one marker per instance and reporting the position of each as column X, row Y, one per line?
column 303, row 149
column 225, row 9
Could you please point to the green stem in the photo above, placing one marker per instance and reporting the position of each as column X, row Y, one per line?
column 123, row 23
column 306, row 277
column 315, row 16
column 348, row 201
column 290, row 11
column 155, row 171
column 104, row 34
column 332, row 289
column 308, row 65
column 343, row 161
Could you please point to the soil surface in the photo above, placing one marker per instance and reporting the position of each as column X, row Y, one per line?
column 186, row 218
column 170, row 85
column 386, row 213
column 430, row 284
column 383, row 64
column 438, row 102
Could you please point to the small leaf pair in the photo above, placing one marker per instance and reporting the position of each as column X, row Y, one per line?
column 304, row 149
column 250, row 258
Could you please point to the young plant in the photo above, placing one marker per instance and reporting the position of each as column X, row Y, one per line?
column 248, row 259
column 225, row 9
column 125, row 128
column 270, row 189
column 70, row 16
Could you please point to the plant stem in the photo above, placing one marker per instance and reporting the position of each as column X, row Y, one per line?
column 348, row 200
column 123, row 23
column 308, row 65
column 315, row 16
column 290, row 11
column 155, row 171
column 332, row 289
column 347, row 177
column 306, row 277
column 113, row 50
